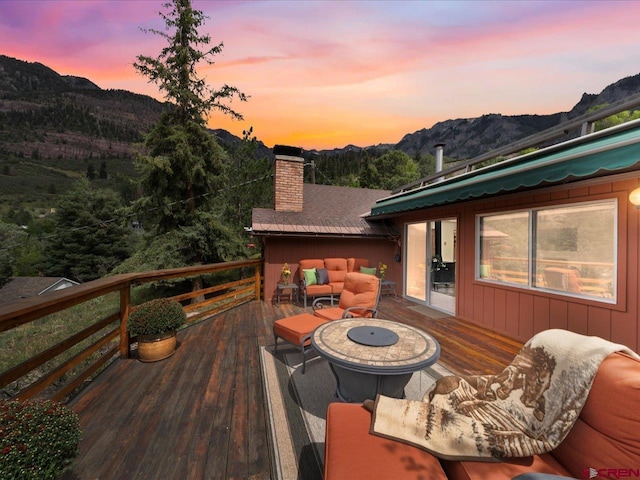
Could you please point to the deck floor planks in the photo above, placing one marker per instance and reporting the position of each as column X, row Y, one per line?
column 199, row 442
column 193, row 382
column 465, row 348
column 239, row 429
column 200, row 414
column 259, row 467
column 220, row 390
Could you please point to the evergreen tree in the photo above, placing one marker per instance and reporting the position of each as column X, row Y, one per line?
column 20, row 217
column 103, row 170
column 391, row 170
column 183, row 166
column 12, row 238
column 89, row 239
column 249, row 182
column 426, row 164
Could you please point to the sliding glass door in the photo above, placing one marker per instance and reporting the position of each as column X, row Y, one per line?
column 430, row 265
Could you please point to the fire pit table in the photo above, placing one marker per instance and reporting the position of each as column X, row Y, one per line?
column 370, row 356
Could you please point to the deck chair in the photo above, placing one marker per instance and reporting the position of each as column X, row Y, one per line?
column 359, row 298
column 567, row 279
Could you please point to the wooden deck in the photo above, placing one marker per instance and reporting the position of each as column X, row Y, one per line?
column 200, row 414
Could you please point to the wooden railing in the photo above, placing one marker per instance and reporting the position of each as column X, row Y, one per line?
column 106, row 337
column 591, row 285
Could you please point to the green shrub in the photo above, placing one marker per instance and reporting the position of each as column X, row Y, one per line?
column 155, row 317
column 38, row 439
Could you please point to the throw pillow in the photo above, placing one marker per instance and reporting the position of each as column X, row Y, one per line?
column 368, row 270
column 323, row 276
column 310, row 276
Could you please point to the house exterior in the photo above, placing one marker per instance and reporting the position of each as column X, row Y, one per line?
column 319, row 221
column 545, row 240
column 24, row 287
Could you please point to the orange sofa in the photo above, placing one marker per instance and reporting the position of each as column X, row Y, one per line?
column 603, row 441
column 337, row 269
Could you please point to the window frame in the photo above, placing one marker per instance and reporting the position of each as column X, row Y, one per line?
column 531, row 249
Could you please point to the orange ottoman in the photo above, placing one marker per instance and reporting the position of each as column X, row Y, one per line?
column 297, row 330
column 352, row 453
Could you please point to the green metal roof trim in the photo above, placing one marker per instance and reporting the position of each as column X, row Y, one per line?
column 614, row 152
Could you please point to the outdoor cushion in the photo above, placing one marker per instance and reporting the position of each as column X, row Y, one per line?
column 307, row 263
column 337, row 269
column 322, row 275
column 297, row 331
column 315, row 290
column 329, row 313
column 337, row 287
column 354, row 264
column 360, row 290
column 368, row 270
column 562, row 279
column 310, row 276
column 606, row 432
column 507, row 469
column 352, row 453
column 294, row 329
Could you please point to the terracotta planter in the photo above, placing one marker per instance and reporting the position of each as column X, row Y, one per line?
column 152, row 348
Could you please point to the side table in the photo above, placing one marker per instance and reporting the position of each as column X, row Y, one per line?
column 280, row 290
column 387, row 287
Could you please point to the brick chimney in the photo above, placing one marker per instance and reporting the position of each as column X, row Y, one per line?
column 289, row 178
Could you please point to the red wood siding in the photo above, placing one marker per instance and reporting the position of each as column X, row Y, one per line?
column 279, row 250
column 521, row 312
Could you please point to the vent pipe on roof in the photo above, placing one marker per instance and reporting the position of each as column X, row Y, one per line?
column 439, row 160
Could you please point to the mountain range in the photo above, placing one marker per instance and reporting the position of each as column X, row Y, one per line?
column 61, row 118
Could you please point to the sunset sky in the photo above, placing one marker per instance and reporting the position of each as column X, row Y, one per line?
column 324, row 74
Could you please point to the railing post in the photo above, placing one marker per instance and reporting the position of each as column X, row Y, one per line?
column 587, row 128
column 125, row 304
column 257, row 281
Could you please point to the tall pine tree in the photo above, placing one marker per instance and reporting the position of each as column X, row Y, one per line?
column 90, row 237
column 183, row 166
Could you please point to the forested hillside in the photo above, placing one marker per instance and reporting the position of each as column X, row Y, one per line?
column 55, row 129
column 63, row 138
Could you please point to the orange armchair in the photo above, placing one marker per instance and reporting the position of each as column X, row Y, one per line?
column 359, row 298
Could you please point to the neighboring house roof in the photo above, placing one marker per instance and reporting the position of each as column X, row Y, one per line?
column 327, row 211
column 611, row 151
column 24, row 287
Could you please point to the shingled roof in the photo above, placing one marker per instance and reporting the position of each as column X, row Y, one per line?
column 327, row 211
column 23, row 287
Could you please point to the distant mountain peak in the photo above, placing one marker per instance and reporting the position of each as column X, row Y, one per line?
column 464, row 137
column 80, row 82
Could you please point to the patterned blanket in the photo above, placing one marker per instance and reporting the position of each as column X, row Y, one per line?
column 526, row 409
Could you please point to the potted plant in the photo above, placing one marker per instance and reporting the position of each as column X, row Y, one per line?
column 286, row 273
column 155, row 323
column 38, row 439
column 382, row 270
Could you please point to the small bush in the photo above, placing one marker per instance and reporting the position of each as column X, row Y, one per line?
column 38, row 439
column 156, row 317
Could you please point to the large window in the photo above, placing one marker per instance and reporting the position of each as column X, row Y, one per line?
column 569, row 249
